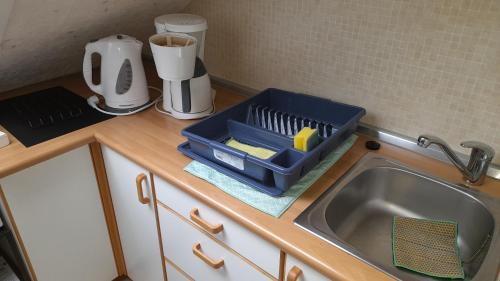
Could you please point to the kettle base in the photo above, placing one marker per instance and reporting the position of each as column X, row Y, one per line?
column 94, row 102
column 120, row 110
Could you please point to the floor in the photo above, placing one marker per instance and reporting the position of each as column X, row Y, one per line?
column 122, row 278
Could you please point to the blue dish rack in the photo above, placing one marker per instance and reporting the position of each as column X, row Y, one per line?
column 270, row 120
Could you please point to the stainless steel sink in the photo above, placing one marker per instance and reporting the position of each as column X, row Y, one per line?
column 356, row 214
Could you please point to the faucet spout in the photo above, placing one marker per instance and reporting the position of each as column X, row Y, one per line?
column 480, row 157
column 426, row 140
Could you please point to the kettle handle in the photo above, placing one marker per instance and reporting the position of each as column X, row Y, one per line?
column 90, row 49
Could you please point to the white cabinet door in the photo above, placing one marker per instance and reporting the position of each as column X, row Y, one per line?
column 136, row 221
column 57, row 209
column 296, row 270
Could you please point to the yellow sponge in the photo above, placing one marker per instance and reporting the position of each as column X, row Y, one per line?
column 306, row 139
column 258, row 152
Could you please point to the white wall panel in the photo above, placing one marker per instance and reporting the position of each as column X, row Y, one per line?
column 46, row 38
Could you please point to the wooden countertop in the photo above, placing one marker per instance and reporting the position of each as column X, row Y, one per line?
column 150, row 139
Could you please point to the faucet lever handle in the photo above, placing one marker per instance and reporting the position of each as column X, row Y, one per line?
column 480, row 149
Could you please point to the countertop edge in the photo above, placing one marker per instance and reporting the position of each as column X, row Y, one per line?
column 128, row 135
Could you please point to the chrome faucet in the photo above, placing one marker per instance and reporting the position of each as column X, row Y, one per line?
column 479, row 161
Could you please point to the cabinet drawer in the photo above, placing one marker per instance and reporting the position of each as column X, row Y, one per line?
column 248, row 244
column 296, row 270
column 174, row 273
column 212, row 261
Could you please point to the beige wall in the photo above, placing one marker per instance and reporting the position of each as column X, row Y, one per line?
column 426, row 66
column 44, row 39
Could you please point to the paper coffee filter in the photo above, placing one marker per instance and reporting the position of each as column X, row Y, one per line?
column 174, row 55
column 173, row 40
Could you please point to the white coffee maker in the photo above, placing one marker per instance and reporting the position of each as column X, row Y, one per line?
column 193, row 25
column 187, row 92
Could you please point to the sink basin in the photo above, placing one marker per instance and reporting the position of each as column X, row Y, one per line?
column 356, row 214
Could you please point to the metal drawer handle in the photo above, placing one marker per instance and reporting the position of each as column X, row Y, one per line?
column 294, row 274
column 214, row 264
column 138, row 182
column 195, row 216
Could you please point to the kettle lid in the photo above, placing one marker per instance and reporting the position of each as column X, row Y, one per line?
column 119, row 38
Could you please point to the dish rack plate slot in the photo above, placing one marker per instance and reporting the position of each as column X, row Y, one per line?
column 285, row 123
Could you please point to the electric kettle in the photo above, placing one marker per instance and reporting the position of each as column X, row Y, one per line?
column 123, row 81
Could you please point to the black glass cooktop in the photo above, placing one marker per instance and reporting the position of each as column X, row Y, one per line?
column 40, row 116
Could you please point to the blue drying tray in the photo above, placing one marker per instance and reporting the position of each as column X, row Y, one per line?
column 271, row 190
column 270, row 120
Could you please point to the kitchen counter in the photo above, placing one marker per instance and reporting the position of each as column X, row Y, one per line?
column 150, row 139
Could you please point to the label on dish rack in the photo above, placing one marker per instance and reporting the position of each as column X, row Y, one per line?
column 229, row 159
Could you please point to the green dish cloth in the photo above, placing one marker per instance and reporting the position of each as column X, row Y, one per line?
column 274, row 206
column 427, row 246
